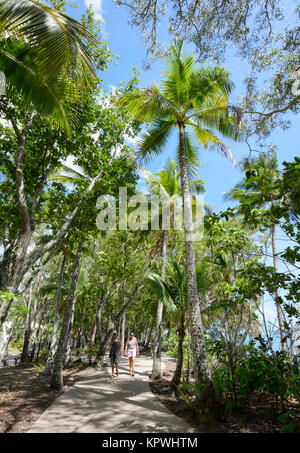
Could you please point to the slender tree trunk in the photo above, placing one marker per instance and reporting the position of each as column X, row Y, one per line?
column 156, row 367
column 93, row 334
column 23, row 261
column 69, row 341
column 177, row 375
column 280, row 315
column 49, row 364
column 57, row 376
column 123, row 332
column 4, row 346
column 149, row 335
column 99, row 325
column 169, row 329
column 6, row 260
column 37, row 334
column 204, row 393
column 28, row 331
column 7, row 336
column 189, row 365
column 123, row 321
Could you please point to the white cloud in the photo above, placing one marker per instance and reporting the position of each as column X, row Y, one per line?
column 97, row 6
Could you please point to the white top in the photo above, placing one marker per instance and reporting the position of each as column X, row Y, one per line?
column 132, row 344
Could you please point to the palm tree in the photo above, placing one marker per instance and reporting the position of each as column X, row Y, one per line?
column 257, row 189
column 173, row 292
column 196, row 99
column 44, row 57
column 167, row 186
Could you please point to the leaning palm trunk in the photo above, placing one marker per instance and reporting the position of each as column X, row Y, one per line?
column 280, row 315
column 57, row 377
column 201, row 366
column 156, row 368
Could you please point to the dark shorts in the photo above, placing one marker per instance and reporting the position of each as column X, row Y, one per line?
column 114, row 359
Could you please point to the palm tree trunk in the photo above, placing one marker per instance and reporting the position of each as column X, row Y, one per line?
column 280, row 315
column 49, row 364
column 57, row 377
column 156, row 368
column 201, row 365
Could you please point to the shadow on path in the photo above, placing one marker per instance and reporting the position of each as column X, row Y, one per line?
column 102, row 404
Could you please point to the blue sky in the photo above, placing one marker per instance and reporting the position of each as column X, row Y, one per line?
column 217, row 171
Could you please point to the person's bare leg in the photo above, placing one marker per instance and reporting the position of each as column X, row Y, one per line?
column 133, row 364
column 129, row 358
column 117, row 369
column 112, row 370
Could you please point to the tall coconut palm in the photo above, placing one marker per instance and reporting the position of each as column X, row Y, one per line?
column 258, row 188
column 166, row 185
column 195, row 99
column 44, row 57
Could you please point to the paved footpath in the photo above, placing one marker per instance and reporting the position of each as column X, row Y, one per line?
column 99, row 404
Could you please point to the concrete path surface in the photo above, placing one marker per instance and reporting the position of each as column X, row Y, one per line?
column 99, row 404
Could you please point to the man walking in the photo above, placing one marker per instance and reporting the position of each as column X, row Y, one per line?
column 115, row 351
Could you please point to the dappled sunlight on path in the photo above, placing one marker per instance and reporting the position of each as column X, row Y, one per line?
column 101, row 404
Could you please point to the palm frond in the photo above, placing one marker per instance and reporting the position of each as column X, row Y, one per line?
column 59, row 42
column 211, row 142
column 197, row 186
column 207, row 84
column 65, row 174
column 155, row 184
column 160, row 288
column 169, row 178
column 237, row 194
column 151, row 143
column 25, row 86
column 177, row 76
column 146, row 105
column 44, row 57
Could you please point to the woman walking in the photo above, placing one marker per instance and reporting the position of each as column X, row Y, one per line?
column 132, row 349
column 115, row 351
